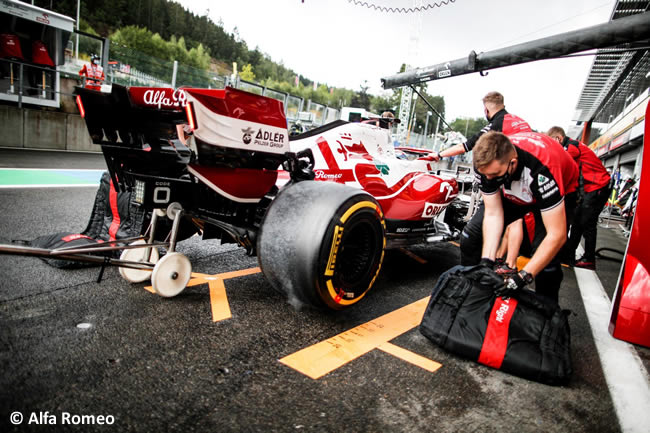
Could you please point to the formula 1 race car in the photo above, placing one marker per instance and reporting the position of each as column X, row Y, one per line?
column 319, row 209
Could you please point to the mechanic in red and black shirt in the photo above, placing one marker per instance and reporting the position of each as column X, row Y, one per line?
column 593, row 192
column 526, row 172
column 499, row 120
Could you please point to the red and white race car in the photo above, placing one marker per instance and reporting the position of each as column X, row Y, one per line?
column 319, row 209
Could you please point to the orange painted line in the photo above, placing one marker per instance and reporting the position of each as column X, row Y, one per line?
column 218, row 298
column 234, row 274
column 195, row 281
column 321, row 358
column 414, row 256
column 411, row 357
column 454, row 243
column 522, row 261
column 199, row 278
column 219, row 301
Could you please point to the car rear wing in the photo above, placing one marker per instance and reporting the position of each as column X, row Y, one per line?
column 132, row 117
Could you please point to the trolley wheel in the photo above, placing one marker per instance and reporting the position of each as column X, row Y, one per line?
column 173, row 209
column 171, row 274
column 137, row 255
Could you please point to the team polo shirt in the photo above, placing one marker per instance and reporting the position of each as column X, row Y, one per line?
column 502, row 121
column 594, row 173
column 545, row 173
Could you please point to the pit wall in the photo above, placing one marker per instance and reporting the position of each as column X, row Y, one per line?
column 41, row 129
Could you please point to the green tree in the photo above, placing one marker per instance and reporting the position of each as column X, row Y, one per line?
column 164, row 29
column 422, row 109
column 361, row 99
column 468, row 126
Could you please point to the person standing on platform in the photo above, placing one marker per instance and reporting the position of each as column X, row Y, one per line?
column 93, row 74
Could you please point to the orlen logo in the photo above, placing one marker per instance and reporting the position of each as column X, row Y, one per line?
column 432, row 209
column 44, row 19
column 445, row 72
column 160, row 98
column 503, row 309
column 445, row 186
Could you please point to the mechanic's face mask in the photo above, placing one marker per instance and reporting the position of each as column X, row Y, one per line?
column 504, row 178
column 487, row 115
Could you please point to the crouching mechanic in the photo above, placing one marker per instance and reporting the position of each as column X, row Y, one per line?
column 528, row 172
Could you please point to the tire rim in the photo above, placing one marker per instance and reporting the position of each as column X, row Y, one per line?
column 358, row 252
column 359, row 258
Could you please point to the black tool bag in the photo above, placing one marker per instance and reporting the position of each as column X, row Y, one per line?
column 65, row 240
column 525, row 335
column 115, row 215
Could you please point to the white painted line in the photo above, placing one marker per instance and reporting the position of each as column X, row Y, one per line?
column 81, row 170
column 627, row 379
column 73, row 185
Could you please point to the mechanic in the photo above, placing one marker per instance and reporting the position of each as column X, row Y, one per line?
column 528, row 172
column 296, row 129
column 388, row 120
column 499, row 120
column 593, row 192
column 93, row 74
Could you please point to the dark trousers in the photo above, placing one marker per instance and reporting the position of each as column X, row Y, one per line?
column 585, row 223
column 548, row 281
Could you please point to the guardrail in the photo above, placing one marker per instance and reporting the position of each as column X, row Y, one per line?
column 25, row 82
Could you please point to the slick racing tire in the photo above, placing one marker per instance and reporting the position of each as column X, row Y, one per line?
column 322, row 244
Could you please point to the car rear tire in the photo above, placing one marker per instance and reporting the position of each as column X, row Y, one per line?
column 322, row 244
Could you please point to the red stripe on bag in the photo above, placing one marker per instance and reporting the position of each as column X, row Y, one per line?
column 495, row 342
column 115, row 224
column 74, row 237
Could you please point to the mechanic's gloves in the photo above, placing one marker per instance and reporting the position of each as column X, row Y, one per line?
column 512, row 284
column 504, row 270
column 432, row 156
column 489, row 263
